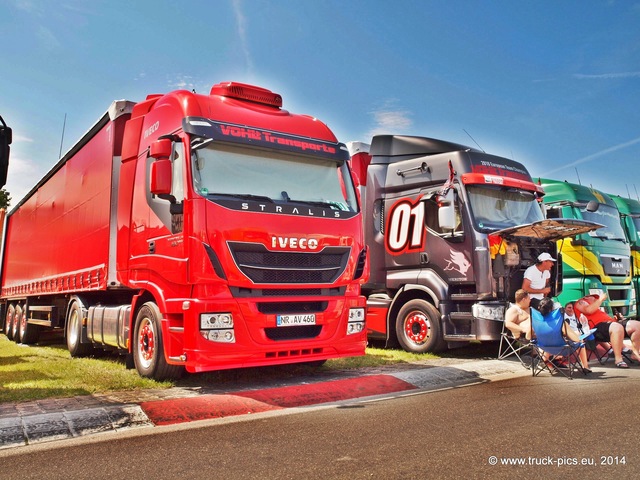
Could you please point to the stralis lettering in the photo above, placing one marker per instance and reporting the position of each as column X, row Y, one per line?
column 294, row 243
column 289, row 210
column 269, row 137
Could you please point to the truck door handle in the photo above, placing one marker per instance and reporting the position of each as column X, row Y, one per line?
column 152, row 247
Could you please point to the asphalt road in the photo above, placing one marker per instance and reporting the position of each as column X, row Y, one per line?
column 554, row 428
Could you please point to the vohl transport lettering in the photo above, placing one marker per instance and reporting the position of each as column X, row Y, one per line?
column 269, row 137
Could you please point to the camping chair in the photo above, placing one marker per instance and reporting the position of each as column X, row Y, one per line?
column 511, row 346
column 549, row 339
column 603, row 351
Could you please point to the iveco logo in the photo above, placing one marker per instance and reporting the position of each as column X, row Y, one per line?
column 151, row 129
column 294, row 243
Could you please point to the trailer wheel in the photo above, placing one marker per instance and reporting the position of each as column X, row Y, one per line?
column 8, row 321
column 15, row 326
column 27, row 332
column 73, row 333
column 418, row 327
column 148, row 347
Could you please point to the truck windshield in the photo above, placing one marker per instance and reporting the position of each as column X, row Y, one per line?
column 274, row 176
column 610, row 218
column 495, row 208
column 636, row 223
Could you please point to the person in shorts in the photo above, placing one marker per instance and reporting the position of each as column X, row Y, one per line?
column 609, row 329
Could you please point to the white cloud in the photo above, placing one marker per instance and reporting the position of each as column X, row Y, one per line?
column 184, row 82
column 20, row 178
column 48, row 39
column 593, row 156
column 389, row 120
column 30, row 7
column 241, row 23
column 187, row 82
column 607, row 75
column 20, row 138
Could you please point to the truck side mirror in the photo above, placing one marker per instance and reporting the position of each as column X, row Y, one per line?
column 592, row 206
column 161, row 148
column 5, row 140
column 447, row 211
column 161, row 177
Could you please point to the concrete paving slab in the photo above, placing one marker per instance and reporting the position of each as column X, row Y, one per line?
column 46, row 427
column 12, row 433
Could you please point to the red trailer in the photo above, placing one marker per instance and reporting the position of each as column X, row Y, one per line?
column 193, row 231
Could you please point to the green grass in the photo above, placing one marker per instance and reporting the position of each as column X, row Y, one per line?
column 37, row 372
column 48, row 371
column 377, row 357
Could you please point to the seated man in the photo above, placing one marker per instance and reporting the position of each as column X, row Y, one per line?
column 517, row 318
column 608, row 329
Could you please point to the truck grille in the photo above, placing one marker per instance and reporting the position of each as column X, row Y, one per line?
column 264, row 266
column 293, row 333
column 268, row 308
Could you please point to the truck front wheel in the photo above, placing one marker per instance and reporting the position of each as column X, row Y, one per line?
column 148, row 348
column 418, row 327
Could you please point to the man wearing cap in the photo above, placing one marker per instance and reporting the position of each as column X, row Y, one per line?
column 536, row 279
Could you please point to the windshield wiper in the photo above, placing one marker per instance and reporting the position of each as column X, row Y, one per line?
column 242, row 196
column 288, row 199
column 314, row 203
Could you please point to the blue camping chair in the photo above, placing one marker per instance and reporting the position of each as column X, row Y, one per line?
column 549, row 338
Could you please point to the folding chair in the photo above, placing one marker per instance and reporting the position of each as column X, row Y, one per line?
column 603, row 351
column 549, row 339
column 511, row 346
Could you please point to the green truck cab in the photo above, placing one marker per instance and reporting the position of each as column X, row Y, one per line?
column 598, row 261
column 630, row 219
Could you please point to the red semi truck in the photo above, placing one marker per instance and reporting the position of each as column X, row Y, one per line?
column 195, row 232
column 450, row 231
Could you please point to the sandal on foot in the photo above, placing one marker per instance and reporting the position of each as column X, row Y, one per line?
column 622, row 364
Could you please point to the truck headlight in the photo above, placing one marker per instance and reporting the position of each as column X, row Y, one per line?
column 356, row 321
column 210, row 321
column 488, row 312
column 217, row 327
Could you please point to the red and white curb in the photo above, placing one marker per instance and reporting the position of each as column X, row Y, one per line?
column 32, row 429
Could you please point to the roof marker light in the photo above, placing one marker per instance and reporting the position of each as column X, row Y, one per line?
column 251, row 93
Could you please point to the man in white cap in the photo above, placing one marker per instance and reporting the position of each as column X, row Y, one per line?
column 536, row 278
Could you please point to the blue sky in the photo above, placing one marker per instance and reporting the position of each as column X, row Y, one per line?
column 554, row 84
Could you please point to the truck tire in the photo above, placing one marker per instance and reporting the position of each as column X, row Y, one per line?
column 148, row 347
column 73, row 332
column 17, row 318
column 418, row 327
column 28, row 333
column 8, row 321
